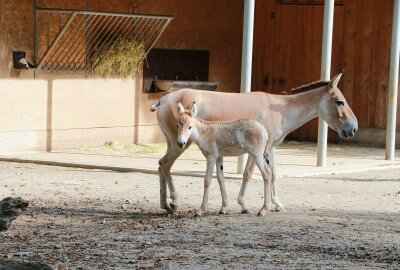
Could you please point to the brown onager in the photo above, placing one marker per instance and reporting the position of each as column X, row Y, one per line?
column 279, row 114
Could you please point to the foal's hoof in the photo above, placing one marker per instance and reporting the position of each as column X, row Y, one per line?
column 261, row 213
column 245, row 211
column 221, row 213
column 197, row 215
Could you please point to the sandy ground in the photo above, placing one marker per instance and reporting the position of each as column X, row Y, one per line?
column 92, row 219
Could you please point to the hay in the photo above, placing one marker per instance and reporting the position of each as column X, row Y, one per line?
column 121, row 57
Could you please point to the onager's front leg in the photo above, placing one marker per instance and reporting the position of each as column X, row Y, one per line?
column 278, row 205
column 266, row 174
column 166, row 163
column 207, row 182
column 220, row 177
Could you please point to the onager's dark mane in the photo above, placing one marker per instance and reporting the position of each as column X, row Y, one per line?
column 307, row 87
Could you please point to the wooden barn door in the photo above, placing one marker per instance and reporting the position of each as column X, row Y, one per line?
column 295, row 50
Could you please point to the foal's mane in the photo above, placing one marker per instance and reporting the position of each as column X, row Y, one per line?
column 307, row 87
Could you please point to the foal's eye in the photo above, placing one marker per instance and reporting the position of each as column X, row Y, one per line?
column 177, row 126
column 340, row 103
column 190, row 127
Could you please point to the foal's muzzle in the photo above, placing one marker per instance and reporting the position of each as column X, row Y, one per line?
column 181, row 144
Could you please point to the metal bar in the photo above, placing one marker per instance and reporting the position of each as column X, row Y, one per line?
column 142, row 33
column 88, row 32
column 95, row 35
column 147, row 33
column 48, row 29
column 53, row 44
column 122, row 33
column 393, row 84
column 158, row 36
column 36, row 33
column 78, row 36
column 64, row 44
column 325, row 75
column 139, row 28
column 104, row 43
column 247, row 52
column 119, row 32
column 153, row 31
column 110, row 22
column 136, row 15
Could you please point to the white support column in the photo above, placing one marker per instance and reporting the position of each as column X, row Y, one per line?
column 247, row 54
column 393, row 84
column 325, row 75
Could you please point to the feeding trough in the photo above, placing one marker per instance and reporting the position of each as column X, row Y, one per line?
column 173, row 85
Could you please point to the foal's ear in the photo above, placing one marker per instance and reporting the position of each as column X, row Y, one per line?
column 179, row 107
column 334, row 82
column 193, row 110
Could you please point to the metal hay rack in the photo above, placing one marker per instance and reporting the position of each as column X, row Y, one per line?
column 66, row 40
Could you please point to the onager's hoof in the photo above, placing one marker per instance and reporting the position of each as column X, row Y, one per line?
column 174, row 207
column 245, row 211
column 197, row 215
column 279, row 208
column 221, row 212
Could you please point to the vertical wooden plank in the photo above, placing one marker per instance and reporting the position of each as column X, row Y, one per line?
column 349, row 40
column 362, row 72
column 260, row 23
column 382, row 21
column 268, row 60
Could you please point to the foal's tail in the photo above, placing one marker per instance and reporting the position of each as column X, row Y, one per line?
column 155, row 106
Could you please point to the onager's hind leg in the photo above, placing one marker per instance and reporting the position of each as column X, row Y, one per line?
column 220, row 177
column 278, row 205
column 266, row 174
column 166, row 163
column 207, row 182
column 248, row 172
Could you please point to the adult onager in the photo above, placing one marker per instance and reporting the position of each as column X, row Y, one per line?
column 218, row 139
column 279, row 114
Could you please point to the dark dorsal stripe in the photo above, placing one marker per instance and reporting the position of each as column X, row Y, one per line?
column 308, row 87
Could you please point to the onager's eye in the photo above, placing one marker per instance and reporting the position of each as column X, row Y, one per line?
column 177, row 125
column 340, row 103
column 190, row 127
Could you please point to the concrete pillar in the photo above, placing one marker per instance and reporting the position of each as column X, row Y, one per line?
column 247, row 54
column 393, row 84
column 325, row 75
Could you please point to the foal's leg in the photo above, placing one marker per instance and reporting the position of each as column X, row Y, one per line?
column 278, row 205
column 220, row 177
column 207, row 182
column 266, row 174
column 248, row 171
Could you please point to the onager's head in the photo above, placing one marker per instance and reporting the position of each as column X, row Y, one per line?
column 335, row 111
column 185, row 123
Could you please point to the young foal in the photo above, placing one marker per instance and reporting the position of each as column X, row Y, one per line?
column 219, row 139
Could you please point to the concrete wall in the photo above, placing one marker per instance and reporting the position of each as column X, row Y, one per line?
column 58, row 111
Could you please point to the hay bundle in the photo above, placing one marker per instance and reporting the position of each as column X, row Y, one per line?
column 122, row 57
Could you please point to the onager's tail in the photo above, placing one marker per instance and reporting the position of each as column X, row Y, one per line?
column 155, row 106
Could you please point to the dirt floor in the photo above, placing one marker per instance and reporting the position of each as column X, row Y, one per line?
column 91, row 219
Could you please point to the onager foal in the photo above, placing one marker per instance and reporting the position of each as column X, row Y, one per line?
column 219, row 139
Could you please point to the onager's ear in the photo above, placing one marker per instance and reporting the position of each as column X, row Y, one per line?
column 193, row 110
column 334, row 82
column 180, row 108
